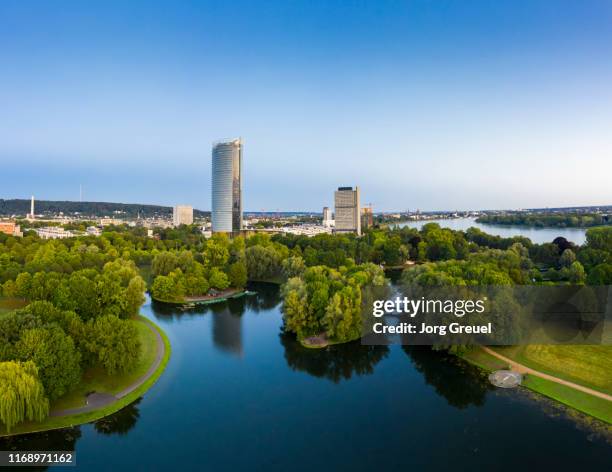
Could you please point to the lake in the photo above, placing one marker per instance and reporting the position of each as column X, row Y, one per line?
column 537, row 235
column 238, row 394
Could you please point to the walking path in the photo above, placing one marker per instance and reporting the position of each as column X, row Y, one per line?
column 100, row 400
column 523, row 369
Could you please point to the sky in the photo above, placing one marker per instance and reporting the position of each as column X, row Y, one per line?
column 431, row 105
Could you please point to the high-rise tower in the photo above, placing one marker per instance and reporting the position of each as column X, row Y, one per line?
column 348, row 211
column 227, row 186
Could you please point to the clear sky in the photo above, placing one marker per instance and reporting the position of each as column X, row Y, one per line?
column 423, row 104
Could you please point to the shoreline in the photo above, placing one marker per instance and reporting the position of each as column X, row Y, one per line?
column 83, row 415
column 206, row 299
column 567, row 396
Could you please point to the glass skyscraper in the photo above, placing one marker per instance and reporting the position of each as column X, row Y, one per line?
column 227, row 186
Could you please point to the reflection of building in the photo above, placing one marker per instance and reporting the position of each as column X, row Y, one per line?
column 327, row 217
column 227, row 332
column 367, row 217
column 182, row 215
column 227, row 186
column 10, row 228
column 348, row 213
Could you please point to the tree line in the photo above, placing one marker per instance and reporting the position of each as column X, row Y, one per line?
column 553, row 220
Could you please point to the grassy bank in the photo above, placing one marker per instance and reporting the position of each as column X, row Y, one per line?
column 590, row 366
column 589, row 404
column 97, row 380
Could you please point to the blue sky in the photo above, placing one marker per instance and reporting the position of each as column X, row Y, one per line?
column 423, row 104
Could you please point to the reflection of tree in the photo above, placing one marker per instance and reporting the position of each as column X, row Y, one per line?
column 57, row 440
column 121, row 422
column 334, row 362
column 460, row 383
column 267, row 296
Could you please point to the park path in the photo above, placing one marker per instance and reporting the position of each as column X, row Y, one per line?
column 523, row 369
column 100, row 400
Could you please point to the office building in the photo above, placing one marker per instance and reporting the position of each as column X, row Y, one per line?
column 327, row 217
column 227, row 186
column 348, row 211
column 182, row 215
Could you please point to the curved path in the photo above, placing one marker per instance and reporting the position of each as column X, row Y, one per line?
column 100, row 400
column 523, row 369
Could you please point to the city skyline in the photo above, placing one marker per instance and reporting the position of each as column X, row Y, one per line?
column 452, row 107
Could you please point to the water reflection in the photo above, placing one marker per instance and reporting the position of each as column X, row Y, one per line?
column 121, row 422
column 58, row 440
column 335, row 363
column 460, row 383
column 227, row 332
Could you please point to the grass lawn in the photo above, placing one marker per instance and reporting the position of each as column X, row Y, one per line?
column 485, row 361
column 97, row 380
column 593, row 406
column 590, row 366
column 112, row 385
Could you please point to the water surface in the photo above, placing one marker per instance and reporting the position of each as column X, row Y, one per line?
column 537, row 235
column 239, row 394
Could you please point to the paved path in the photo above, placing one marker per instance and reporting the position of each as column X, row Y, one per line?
column 96, row 400
column 523, row 369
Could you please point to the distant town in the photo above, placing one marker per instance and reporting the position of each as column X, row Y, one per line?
column 65, row 219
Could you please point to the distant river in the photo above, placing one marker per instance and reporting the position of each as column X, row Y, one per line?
column 240, row 395
column 537, row 235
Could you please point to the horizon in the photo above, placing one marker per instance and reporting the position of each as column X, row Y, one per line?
column 419, row 104
column 272, row 211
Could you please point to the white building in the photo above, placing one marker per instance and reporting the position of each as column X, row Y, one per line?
column 53, row 232
column 110, row 221
column 348, row 210
column 182, row 215
column 328, row 222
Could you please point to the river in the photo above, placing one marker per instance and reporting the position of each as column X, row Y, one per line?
column 537, row 235
column 238, row 394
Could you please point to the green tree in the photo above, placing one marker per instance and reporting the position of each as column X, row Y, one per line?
column 135, row 295
column 22, row 396
column 115, row 343
column 164, row 263
column 55, row 355
column 164, row 289
column 263, row 262
column 567, row 258
column 576, row 274
column 218, row 279
column 600, row 275
column 293, row 266
column 237, row 274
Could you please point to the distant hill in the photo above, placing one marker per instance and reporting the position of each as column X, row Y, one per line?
column 19, row 207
